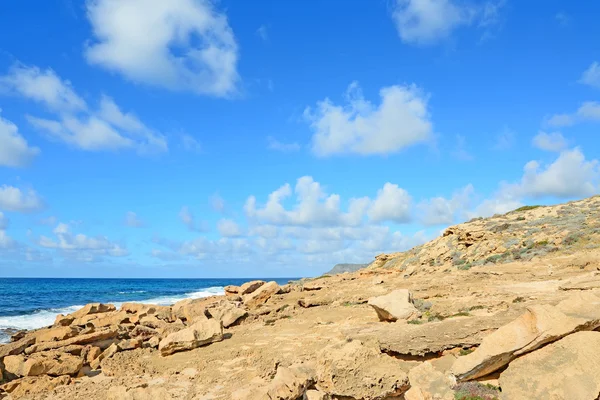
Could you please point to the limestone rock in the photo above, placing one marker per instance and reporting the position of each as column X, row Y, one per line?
column 291, row 383
column 358, row 371
column 52, row 363
column 103, row 334
column 63, row 320
column 138, row 393
column 129, row 344
column 232, row 290
column 34, row 385
column 228, row 313
column 394, row 306
column 538, row 326
column 93, row 308
column 15, row 348
column 109, row 352
column 250, row 287
column 261, row 295
column 143, row 332
column 201, row 333
column 426, row 383
column 568, row 369
column 92, row 354
column 55, row 334
column 315, row 395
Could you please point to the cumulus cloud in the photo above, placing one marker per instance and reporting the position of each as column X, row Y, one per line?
column 401, row 120
column 425, row 22
column 133, row 221
column 217, row 203
column 105, row 128
column 391, row 204
column 553, row 141
column 14, row 151
column 591, row 76
column 80, row 246
column 274, row 144
column 17, row 200
column 569, row 175
column 177, row 44
column 443, row 211
column 187, row 217
column 3, row 221
column 229, row 228
column 6, row 242
column 589, row 111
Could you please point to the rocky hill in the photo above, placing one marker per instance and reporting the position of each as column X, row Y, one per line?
column 341, row 268
column 504, row 308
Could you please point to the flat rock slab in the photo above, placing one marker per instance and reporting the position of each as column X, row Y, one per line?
column 432, row 337
column 568, row 369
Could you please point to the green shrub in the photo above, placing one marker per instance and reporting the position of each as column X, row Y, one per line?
column 527, row 208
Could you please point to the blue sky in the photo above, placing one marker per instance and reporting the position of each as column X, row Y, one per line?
column 191, row 138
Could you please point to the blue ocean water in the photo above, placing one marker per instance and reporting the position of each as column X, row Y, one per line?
column 29, row 303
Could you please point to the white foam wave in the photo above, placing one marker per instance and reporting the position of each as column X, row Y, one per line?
column 44, row 318
column 133, row 291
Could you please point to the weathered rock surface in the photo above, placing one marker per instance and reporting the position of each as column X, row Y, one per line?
column 261, row 295
column 103, row 334
column 358, row 371
column 201, row 333
column 291, row 383
column 93, row 308
column 51, row 363
column 394, row 306
column 228, row 313
column 426, row 383
column 30, row 386
column 250, row 287
column 568, row 369
column 538, row 326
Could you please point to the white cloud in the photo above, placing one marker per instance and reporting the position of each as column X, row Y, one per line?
column 176, row 44
column 313, row 207
column 229, row 228
column 187, row 217
column 51, row 220
column 553, row 141
column 263, row 32
column 106, row 128
column 217, row 203
column 6, row 242
column 569, row 175
column 191, row 144
column 391, row 204
column 276, row 145
column 3, row 221
column 80, row 246
column 501, row 203
column 399, row 121
column 14, row 199
column 591, row 76
column 425, row 22
column 133, row 221
column 42, row 86
column 588, row 111
column 442, row 211
column 14, row 150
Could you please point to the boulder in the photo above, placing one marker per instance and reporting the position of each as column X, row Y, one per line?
column 103, row 334
column 539, row 325
column 151, row 343
column 232, row 290
column 55, row 334
column 152, row 322
column 291, row 383
column 228, row 313
column 394, row 306
column 143, row 332
column 567, row 369
column 426, row 383
column 315, row 395
column 354, row 370
column 109, row 352
column 52, row 363
column 17, row 347
column 63, row 320
column 93, row 308
column 164, row 313
column 34, row 385
column 261, row 295
column 92, row 354
column 250, row 287
column 129, row 344
column 172, row 328
column 199, row 334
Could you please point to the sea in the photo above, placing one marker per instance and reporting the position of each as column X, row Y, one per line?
column 30, row 303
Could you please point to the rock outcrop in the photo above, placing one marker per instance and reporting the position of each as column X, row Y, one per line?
column 201, row 333
column 394, row 306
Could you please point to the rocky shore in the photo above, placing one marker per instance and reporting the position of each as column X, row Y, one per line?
column 502, row 308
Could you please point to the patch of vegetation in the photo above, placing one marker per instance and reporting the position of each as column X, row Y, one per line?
column 464, row 352
column 416, row 322
column 459, row 262
column 526, row 208
column 460, row 314
column 324, row 276
column 422, row 305
column 571, row 239
column 350, row 303
column 465, row 267
column 542, row 243
column 475, row 391
column 494, row 259
column 518, row 299
column 500, row 228
column 479, row 307
column 521, row 218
